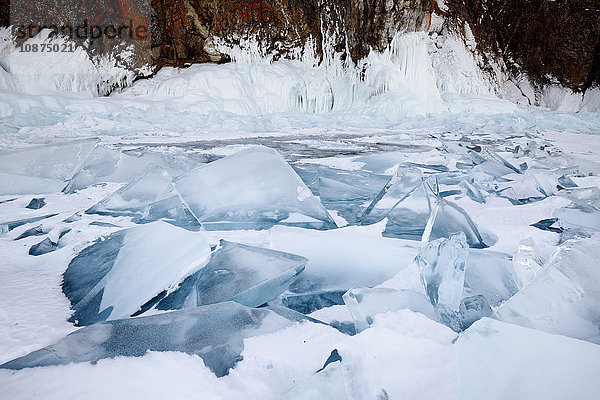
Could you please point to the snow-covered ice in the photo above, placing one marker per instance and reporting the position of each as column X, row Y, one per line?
column 354, row 216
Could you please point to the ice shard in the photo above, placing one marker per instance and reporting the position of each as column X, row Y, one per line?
column 447, row 218
column 115, row 276
column 36, row 203
column 402, row 185
column 347, row 192
column 526, row 262
column 149, row 197
column 42, row 169
column 215, row 333
column 585, row 218
column 490, row 274
column 472, row 309
column 107, row 165
column 442, row 268
column 43, row 247
column 307, row 303
column 415, row 210
column 252, row 189
column 249, row 275
column 35, row 231
column 6, row 227
column 365, row 303
column 563, row 297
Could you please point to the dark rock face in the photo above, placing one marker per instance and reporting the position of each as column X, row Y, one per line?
column 548, row 40
column 551, row 41
column 282, row 26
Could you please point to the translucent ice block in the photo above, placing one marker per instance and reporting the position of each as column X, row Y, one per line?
column 365, row 303
column 252, row 189
column 216, row 333
column 115, row 276
column 248, row 275
column 149, row 197
column 563, row 297
column 442, row 268
column 42, row 169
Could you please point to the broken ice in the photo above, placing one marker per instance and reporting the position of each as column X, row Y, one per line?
column 365, row 303
column 252, row 189
column 563, row 297
column 442, row 268
column 248, row 275
column 216, row 333
column 149, row 197
column 42, row 169
column 115, row 276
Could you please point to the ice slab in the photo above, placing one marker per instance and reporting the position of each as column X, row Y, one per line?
column 249, row 275
column 115, row 276
column 490, row 274
column 252, row 189
column 347, row 192
column 42, row 169
column 563, row 297
column 402, row 185
column 35, row 231
column 526, row 262
column 107, row 165
column 585, row 218
column 365, row 303
column 36, row 203
column 472, row 309
column 43, row 247
column 151, row 196
column 499, row 361
column 307, row 303
column 415, row 210
column 446, row 219
column 344, row 258
column 6, row 227
column 215, row 333
column 442, row 268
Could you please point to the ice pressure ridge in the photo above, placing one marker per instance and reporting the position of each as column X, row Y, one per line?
column 160, row 286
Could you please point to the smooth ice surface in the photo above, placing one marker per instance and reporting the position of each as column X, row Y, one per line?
column 42, row 169
column 149, row 197
column 115, row 276
column 249, row 275
column 504, row 361
column 563, row 297
column 216, row 333
column 253, row 189
column 490, row 274
column 365, row 303
column 341, row 259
